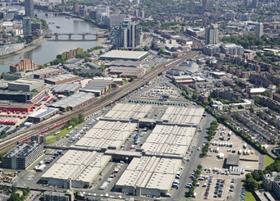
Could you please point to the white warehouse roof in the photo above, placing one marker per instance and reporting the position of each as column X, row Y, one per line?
column 124, row 54
column 150, row 173
column 107, row 134
column 79, row 166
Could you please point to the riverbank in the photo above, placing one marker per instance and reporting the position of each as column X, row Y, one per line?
column 28, row 47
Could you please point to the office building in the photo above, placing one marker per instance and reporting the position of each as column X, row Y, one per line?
column 127, row 35
column 254, row 4
column 29, row 8
column 272, row 184
column 58, row 196
column 212, row 34
column 27, row 27
column 259, row 30
column 232, row 49
column 22, row 156
column 205, row 5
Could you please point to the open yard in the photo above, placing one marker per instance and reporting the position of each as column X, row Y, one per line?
column 268, row 160
column 50, row 139
column 249, row 196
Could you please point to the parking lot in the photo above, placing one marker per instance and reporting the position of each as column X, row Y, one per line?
column 219, row 182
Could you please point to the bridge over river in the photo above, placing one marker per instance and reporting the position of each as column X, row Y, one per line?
column 75, row 36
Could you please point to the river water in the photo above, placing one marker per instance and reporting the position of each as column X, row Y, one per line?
column 48, row 50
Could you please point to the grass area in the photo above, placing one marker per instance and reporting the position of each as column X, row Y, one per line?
column 50, row 139
column 268, row 160
column 249, row 196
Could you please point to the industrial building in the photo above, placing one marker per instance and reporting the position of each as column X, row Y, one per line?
column 169, row 141
column 183, row 115
column 124, row 55
column 22, row 96
column 66, row 89
column 152, row 176
column 123, row 63
column 26, row 85
column 232, row 160
column 74, row 101
column 76, row 169
column 6, row 106
column 22, row 156
column 98, row 86
column 45, row 73
column 123, row 111
column 126, row 72
column 107, row 134
column 42, row 114
column 60, row 79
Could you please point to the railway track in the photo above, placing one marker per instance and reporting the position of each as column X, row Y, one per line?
column 50, row 125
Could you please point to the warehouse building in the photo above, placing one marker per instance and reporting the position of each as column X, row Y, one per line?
column 169, row 141
column 60, row 79
column 42, row 114
column 98, row 86
column 46, row 72
column 22, row 156
column 66, row 89
column 26, row 85
column 183, row 115
column 74, row 102
column 126, row 111
column 122, row 63
column 126, row 72
column 124, row 55
column 6, row 106
column 107, row 134
column 77, row 169
column 152, row 176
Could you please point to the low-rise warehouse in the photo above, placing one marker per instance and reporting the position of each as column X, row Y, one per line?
column 26, row 85
column 45, row 73
column 183, row 115
column 98, row 86
column 76, row 169
column 42, row 114
column 66, row 89
column 151, row 176
column 107, row 134
column 126, row 72
column 169, row 141
column 74, row 101
column 124, row 55
column 60, row 79
column 129, row 111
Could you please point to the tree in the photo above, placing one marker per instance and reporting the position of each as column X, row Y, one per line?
column 257, row 175
column 250, row 183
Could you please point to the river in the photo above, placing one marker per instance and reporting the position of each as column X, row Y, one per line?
column 48, row 50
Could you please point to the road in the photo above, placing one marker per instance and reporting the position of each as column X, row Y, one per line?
column 49, row 126
column 194, row 159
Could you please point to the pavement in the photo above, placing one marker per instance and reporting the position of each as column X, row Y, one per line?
column 194, row 159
